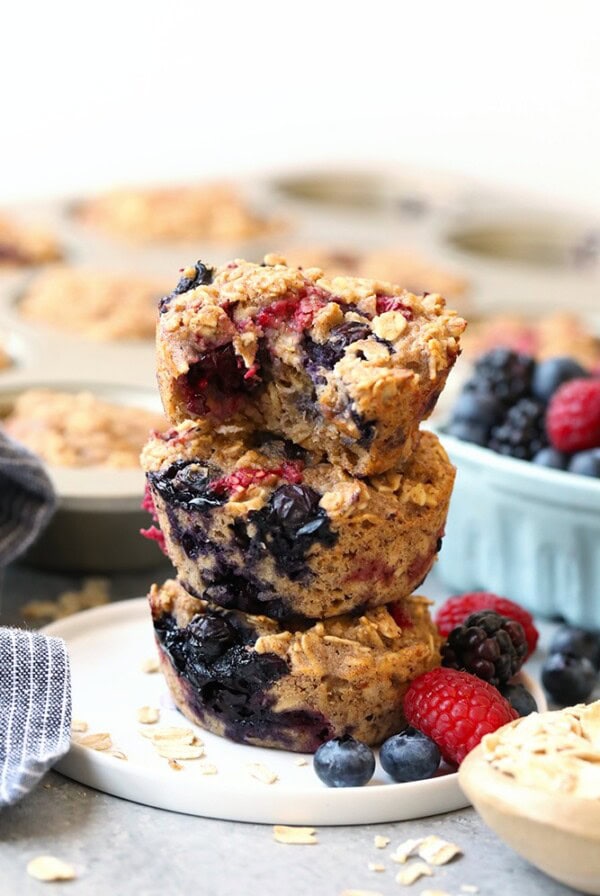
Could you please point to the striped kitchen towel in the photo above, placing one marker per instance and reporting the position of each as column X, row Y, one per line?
column 35, row 684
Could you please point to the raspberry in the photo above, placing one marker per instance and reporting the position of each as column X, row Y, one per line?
column 290, row 471
column 488, row 645
column 393, row 303
column 456, row 609
column 455, row 709
column 573, row 417
column 522, row 432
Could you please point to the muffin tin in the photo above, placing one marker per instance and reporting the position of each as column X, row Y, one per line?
column 450, row 220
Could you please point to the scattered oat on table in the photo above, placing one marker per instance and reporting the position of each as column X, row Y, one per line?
column 469, row 888
column 170, row 733
column 404, row 850
column 78, row 726
column 206, row 768
column 301, row 761
column 117, row 754
column 375, row 866
column 176, row 766
column 381, row 842
column 148, row 715
column 49, row 868
column 262, row 773
column 412, row 873
column 179, row 751
column 282, row 833
column 149, row 665
column 437, row 851
column 100, row 742
column 435, row 893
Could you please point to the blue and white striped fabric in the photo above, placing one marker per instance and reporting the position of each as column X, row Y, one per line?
column 35, row 683
column 35, row 709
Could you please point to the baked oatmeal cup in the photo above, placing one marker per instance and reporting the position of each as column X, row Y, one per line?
column 252, row 522
column 209, row 211
column 348, row 367
column 246, row 678
column 22, row 245
column 94, row 304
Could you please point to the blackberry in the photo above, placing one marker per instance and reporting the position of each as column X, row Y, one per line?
column 488, row 645
column 522, row 433
column 505, row 374
column 201, row 276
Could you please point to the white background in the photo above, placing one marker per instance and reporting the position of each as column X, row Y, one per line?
column 95, row 93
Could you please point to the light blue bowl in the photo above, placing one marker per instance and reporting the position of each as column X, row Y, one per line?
column 528, row 533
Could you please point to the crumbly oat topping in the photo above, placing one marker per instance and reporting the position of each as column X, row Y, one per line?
column 94, row 304
column 22, row 245
column 282, row 833
column 557, row 752
column 49, row 869
column 212, row 211
column 69, row 429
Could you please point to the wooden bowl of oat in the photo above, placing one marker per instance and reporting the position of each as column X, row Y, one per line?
column 536, row 783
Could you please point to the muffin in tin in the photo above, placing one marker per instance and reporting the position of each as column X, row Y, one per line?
column 208, row 211
column 402, row 265
column 252, row 522
column 348, row 367
column 94, row 304
column 23, row 245
column 247, row 678
column 79, row 429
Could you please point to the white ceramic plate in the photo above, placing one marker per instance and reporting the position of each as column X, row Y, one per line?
column 107, row 646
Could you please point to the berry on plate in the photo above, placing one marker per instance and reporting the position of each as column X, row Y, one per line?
column 344, row 762
column 409, row 756
column 568, row 679
column 488, row 645
column 456, row 710
column 520, row 699
column 456, row 609
column 573, row 417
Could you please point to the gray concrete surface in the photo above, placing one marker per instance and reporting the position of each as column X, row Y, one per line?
column 121, row 848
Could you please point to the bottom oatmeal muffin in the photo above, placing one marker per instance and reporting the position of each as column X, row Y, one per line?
column 247, row 678
column 252, row 522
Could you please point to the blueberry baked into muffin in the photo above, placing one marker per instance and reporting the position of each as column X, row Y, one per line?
column 209, row 211
column 94, row 304
column 255, row 523
column 344, row 366
column 247, row 678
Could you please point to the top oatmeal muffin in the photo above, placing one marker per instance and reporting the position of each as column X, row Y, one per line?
column 212, row 211
column 345, row 366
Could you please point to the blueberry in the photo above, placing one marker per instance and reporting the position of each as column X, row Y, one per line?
column 327, row 354
column 212, row 635
column 467, row 431
column 586, row 463
column 294, row 505
column 549, row 375
column 519, row 698
column 568, row 679
column 577, row 642
column 475, row 406
column 550, row 457
column 409, row 756
column 344, row 762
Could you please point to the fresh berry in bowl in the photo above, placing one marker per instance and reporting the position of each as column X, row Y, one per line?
column 525, row 514
column 455, row 610
column 488, row 645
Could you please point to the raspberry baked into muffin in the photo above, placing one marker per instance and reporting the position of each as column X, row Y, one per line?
column 254, row 523
column 247, row 678
column 344, row 366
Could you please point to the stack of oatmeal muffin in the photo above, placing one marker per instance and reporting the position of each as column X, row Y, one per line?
column 297, row 498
